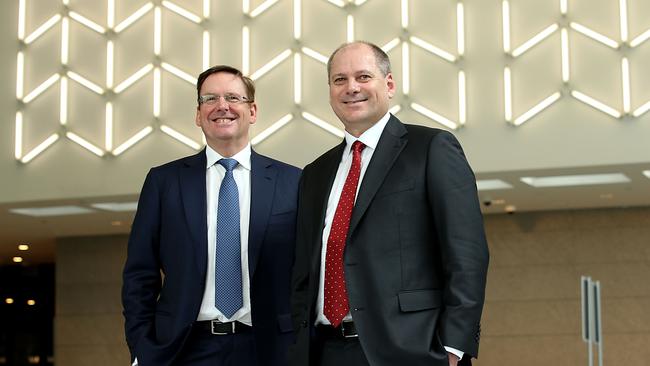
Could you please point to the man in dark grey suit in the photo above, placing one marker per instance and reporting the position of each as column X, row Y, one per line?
column 391, row 257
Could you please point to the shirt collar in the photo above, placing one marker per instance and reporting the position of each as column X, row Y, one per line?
column 370, row 137
column 243, row 157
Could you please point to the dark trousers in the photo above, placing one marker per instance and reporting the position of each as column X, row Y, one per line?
column 339, row 352
column 205, row 349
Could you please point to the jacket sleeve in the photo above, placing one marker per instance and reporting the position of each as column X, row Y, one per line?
column 452, row 194
column 141, row 277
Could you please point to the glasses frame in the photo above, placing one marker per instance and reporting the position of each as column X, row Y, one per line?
column 232, row 99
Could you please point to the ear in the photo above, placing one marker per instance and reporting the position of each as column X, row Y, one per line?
column 197, row 119
column 390, row 84
column 253, row 111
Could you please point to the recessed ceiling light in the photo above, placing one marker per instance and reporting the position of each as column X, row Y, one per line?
column 116, row 206
column 9, row 300
column 490, row 184
column 51, row 211
column 17, row 259
column 23, row 247
column 575, row 180
column 31, row 302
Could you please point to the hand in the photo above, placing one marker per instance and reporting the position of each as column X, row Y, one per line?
column 453, row 359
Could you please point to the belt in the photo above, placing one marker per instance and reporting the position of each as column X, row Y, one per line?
column 346, row 329
column 218, row 328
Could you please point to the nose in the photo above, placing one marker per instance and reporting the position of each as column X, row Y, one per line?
column 222, row 104
column 352, row 87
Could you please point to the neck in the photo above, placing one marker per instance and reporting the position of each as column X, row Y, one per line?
column 226, row 149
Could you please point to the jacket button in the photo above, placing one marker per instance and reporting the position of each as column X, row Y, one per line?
column 303, row 324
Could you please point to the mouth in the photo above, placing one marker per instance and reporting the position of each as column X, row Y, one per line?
column 353, row 102
column 222, row 120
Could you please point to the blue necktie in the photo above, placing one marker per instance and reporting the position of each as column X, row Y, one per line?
column 228, row 280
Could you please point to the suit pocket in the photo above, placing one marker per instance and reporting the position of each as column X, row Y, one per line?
column 401, row 186
column 284, row 323
column 416, row 300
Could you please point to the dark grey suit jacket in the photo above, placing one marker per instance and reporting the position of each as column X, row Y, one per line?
column 416, row 256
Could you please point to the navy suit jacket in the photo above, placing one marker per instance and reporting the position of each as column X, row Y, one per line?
column 165, row 271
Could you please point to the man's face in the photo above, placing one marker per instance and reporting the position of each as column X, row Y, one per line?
column 223, row 123
column 359, row 92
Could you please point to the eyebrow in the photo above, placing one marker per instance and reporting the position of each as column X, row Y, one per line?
column 364, row 71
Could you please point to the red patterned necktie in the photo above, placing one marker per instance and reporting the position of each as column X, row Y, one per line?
column 336, row 295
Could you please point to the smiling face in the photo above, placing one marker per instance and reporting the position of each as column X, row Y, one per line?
column 225, row 125
column 359, row 91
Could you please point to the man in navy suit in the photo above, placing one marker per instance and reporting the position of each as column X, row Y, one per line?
column 207, row 277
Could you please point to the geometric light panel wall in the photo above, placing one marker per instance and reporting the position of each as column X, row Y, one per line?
column 113, row 28
column 563, row 25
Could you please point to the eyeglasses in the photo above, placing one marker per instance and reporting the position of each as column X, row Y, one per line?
column 211, row 99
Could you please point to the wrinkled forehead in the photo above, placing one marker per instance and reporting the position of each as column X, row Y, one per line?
column 353, row 59
column 223, row 82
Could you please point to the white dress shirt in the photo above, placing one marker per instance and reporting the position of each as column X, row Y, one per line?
column 370, row 138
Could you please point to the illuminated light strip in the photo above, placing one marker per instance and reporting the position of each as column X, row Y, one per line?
column 315, row 55
column 297, row 13
column 133, row 78
column 271, row 64
column 625, row 71
column 350, row 28
column 406, row 86
column 640, row 39
column 507, row 91
column 21, row 19
column 156, row 92
column 395, row 109
column 20, row 75
column 538, row 108
column 271, row 129
column 594, row 35
column 262, row 8
column 535, row 40
column 322, row 124
column 505, row 15
column 206, row 50
column 564, row 7
column 460, row 26
column 133, row 17
column 43, row 28
column 63, row 101
column 390, row 45
column 359, row 2
column 623, row 19
column 433, row 49
column 108, row 131
column 40, row 148
column 434, row 116
column 157, row 31
column 182, row 11
column 180, row 137
column 641, row 110
column 110, row 14
column 565, row 55
column 462, row 98
column 87, row 22
column 85, row 144
column 18, row 151
column 339, row 3
column 65, row 39
column 133, row 140
column 246, row 50
column 206, row 8
column 41, row 88
column 246, row 6
column 85, row 82
column 110, row 52
column 178, row 72
column 405, row 14
column 596, row 104
column 297, row 76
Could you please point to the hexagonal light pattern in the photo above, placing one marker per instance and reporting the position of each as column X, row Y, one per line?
column 566, row 67
column 296, row 54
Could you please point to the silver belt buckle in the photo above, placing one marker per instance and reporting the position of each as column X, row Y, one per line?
column 215, row 322
column 355, row 335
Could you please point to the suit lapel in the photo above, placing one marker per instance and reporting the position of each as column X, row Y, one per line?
column 263, row 180
column 320, row 187
column 193, row 195
column 391, row 143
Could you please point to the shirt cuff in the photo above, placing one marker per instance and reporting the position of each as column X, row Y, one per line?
column 456, row 352
column 135, row 362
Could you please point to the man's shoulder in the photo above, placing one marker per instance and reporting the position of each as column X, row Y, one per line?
column 190, row 160
column 278, row 164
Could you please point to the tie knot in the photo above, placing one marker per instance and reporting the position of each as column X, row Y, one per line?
column 358, row 146
column 227, row 163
